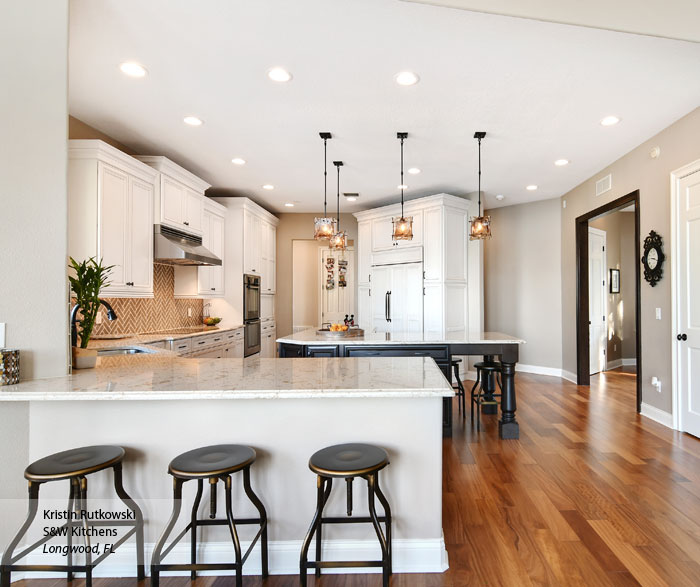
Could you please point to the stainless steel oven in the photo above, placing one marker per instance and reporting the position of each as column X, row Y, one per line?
column 251, row 344
column 251, row 297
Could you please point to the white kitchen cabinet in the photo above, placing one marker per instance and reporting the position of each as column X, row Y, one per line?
column 179, row 196
column 447, row 295
column 268, row 257
column 110, row 215
column 206, row 281
column 268, row 346
column 267, row 307
column 259, row 248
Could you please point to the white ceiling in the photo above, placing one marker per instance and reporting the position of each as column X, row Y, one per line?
column 538, row 89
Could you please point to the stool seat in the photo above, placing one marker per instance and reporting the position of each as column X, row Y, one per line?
column 211, row 461
column 487, row 366
column 348, row 460
column 74, row 462
column 455, row 361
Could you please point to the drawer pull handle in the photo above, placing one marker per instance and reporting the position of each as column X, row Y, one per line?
column 186, row 223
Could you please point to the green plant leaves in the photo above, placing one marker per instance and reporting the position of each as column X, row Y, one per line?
column 89, row 278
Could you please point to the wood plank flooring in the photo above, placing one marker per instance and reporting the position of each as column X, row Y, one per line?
column 591, row 494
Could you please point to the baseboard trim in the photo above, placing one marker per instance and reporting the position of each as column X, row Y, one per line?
column 629, row 362
column 613, row 364
column 663, row 418
column 538, row 370
column 409, row 556
column 569, row 376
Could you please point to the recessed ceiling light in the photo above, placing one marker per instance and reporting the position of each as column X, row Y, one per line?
column 531, row 188
column 192, row 121
column 278, row 74
column 609, row 120
column 289, row 205
column 406, row 78
column 561, row 162
column 402, row 186
column 268, row 186
column 499, row 197
column 238, row 161
column 351, row 196
column 133, row 69
column 414, row 171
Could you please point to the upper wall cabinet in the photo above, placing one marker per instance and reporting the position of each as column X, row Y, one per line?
column 206, row 281
column 259, row 245
column 110, row 214
column 179, row 196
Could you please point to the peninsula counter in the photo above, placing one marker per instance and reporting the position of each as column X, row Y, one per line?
column 158, row 406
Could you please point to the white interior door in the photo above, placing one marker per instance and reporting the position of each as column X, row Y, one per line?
column 596, row 299
column 688, row 310
column 337, row 285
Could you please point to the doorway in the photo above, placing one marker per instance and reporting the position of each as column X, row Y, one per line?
column 618, row 315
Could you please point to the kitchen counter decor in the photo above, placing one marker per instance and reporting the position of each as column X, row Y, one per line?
column 9, row 366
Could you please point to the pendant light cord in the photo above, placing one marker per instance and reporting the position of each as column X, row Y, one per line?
column 325, row 177
column 402, row 184
column 337, row 220
column 479, row 177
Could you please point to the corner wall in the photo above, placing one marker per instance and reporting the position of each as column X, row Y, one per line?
column 679, row 145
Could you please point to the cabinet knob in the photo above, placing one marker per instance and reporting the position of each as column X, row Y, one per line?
column 186, row 223
column 213, row 289
column 682, row 336
column 130, row 283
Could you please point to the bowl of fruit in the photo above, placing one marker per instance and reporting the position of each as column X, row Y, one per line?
column 341, row 330
column 211, row 321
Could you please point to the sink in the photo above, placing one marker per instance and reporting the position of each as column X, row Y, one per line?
column 125, row 350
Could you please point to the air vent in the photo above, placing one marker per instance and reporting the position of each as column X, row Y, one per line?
column 603, row 185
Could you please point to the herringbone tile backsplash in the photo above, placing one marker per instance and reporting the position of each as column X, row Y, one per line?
column 161, row 312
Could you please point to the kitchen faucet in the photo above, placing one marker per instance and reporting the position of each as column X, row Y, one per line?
column 111, row 315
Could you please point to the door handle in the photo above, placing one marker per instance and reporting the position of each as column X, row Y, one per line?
column 389, row 306
column 386, row 306
column 683, row 336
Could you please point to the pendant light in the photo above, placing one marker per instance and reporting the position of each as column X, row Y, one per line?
column 339, row 240
column 480, row 227
column 324, row 228
column 402, row 225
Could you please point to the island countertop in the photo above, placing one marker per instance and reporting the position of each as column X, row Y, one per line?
column 162, row 376
column 312, row 336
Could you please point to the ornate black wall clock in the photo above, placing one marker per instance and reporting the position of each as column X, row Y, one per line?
column 653, row 258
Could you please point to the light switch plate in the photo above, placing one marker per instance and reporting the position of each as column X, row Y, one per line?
column 2, row 335
column 658, row 313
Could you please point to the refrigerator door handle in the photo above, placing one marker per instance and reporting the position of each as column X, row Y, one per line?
column 386, row 306
column 389, row 313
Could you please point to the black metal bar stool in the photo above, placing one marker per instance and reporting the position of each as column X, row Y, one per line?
column 484, row 397
column 461, row 396
column 348, row 461
column 74, row 466
column 215, row 463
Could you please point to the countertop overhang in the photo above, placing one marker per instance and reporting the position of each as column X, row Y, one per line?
column 162, row 376
column 312, row 337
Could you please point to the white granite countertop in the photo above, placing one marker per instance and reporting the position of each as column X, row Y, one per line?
column 311, row 336
column 164, row 376
column 151, row 337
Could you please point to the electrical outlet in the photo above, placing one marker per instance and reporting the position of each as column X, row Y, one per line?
column 614, row 347
column 98, row 318
column 658, row 313
column 656, row 382
column 189, row 312
column 2, row 335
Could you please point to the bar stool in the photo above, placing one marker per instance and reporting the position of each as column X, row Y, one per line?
column 461, row 396
column 74, row 466
column 215, row 463
column 347, row 461
column 485, row 368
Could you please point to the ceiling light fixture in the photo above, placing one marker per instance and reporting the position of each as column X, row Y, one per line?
column 406, row 78
column 531, row 188
column 500, row 197
column 279, row 74
column 561, row 162
column 324, row 228
column 414, row 171
column 133, row 69
column 268, row 186
column 238, row 161
column 193, row 121
column 289, row 205
column 610, row 120
column 351, row 196
column 402, row 225
column 403, row 186
column 339, row 241
column 480, row 227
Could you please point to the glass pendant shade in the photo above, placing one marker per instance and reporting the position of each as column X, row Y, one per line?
column 480, row 228
column 339, row 241
column 403, row 228
column 324, row 228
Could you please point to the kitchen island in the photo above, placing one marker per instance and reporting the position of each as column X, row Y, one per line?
column 159, row 405
column 312, row 343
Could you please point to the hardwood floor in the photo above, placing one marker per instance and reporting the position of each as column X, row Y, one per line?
column 591, row 494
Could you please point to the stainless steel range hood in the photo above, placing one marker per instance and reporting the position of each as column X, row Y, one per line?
column 174, row 247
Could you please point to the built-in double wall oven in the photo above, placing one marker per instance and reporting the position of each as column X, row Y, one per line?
column 251, row 314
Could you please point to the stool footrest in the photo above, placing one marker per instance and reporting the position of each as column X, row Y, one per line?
column 342, row 564
column 352, row 520
column 197, row 567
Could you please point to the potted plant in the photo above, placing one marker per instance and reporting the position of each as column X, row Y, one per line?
column 89, row 279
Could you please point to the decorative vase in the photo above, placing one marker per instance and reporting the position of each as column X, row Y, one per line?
column 84, row 358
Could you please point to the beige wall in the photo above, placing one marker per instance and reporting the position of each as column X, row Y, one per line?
column 294, row 227
column 621, row 324
column 33, row 205
column 522, row 279
column 679, row 145
column 77, row 129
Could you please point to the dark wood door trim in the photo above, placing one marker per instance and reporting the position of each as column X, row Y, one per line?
column 582, row 336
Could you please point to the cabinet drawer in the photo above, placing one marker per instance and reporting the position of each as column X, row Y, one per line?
column 182, row 346
column 210, row 340
column 439, row 353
